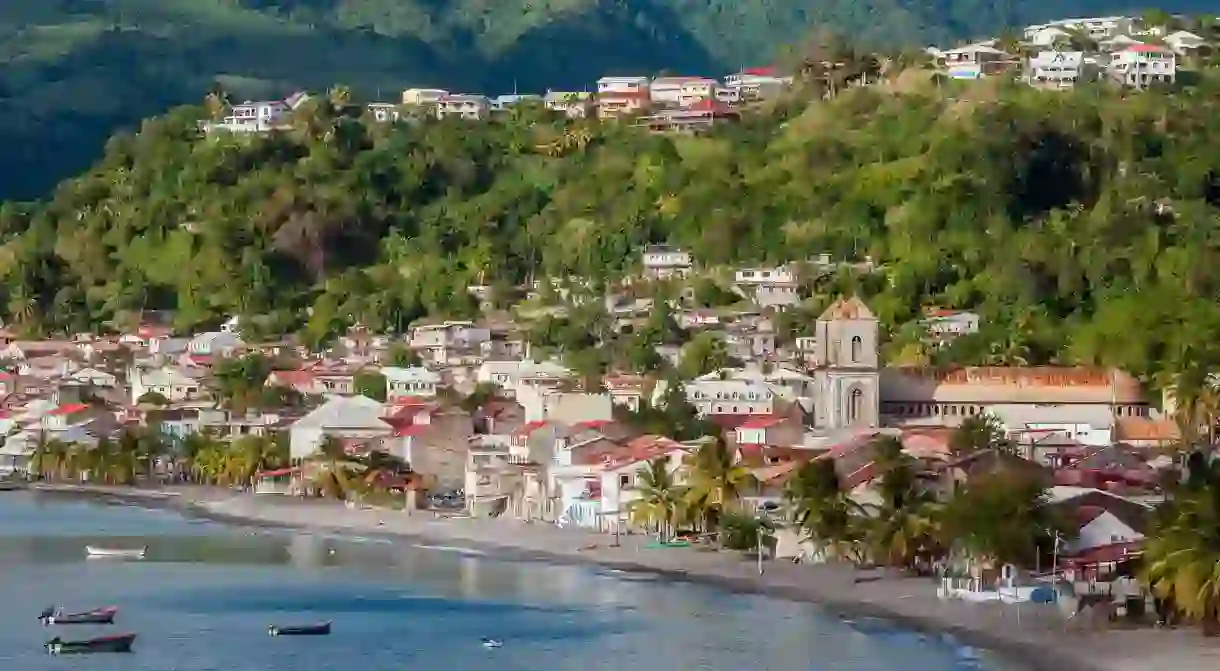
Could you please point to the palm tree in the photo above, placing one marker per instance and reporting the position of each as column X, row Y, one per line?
column 904, row 528
column 333, row 469
column 660, row 499
column 1183, row 552
column 717, row 480
column 830, row 519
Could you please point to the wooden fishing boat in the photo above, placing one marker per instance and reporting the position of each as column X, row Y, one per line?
column 320, row 629
column 119, row 643
column 117, row 553
column 105, row 615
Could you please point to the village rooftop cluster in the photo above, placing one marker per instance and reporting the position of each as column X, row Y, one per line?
column 1067, row 52
column 541, row 442
column 660, row 104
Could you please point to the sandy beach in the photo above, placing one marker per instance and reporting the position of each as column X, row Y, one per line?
column 1033, row 635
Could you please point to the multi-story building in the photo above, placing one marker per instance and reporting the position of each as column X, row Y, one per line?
column 1056, row 69
column 259, row 117
column 423, row 96
column 572, row 104
column 622, row 85
column 458, row 106
column 757, row 83
column 1096, row 28
column 974, row 61
column 1143, row 65
column 672, row 90
column 662, row 261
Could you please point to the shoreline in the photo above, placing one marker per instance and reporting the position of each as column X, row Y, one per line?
column 1034, row 638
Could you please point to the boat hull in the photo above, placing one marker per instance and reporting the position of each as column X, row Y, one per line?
column 121, row 643
column 307, row 630
column 117, row 553
column 99, row 616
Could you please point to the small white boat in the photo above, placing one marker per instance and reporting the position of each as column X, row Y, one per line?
column 491, row 643
column 120, row 553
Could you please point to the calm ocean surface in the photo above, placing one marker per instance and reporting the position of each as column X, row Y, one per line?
column 203, row 598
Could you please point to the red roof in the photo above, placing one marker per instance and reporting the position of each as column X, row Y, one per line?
column 640, row 449
column 592, row 424
column 1106, row 553
column 530, row 428
column 69, row 409
column 293, row 378
column 4, row 375
column 708, row 105
column 762, row 421
column 767, row 71
column 279, row 472
column 1146, row 49
column 1086, row 514
column 731, row 421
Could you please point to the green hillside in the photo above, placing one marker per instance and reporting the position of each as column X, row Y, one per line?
column 75, row 70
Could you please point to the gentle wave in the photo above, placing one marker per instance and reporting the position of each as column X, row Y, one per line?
column 470, row 552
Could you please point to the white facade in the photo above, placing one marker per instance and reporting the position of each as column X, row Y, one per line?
column 1096, row 28
column 620, row 485
column 664, row 261
column 1143, row 65
column 1105, row 529
column 952, row 324
column 731, row 397
column 1056, row 69
column 215, row 343
column 413, row 381
column 622, row 84
column 1183, row 42
column 467, row 107
column 168, row 382
column 777, row 275
column 673, row 90
column 573, row 104
column 1045, row 36
column 423, row 96
column 384, row 112
column 355, row 417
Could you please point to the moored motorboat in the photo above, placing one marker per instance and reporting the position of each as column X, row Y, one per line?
column 120, row 643
column 320, row 629
column 105, row 615
column 491, row 643
column 118, row 553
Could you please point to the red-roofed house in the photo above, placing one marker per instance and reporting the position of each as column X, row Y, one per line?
column 65, row 416
column 620, row 474
column 1143, row 65
column 780, row 430
column 613, row 104
column 302, row 381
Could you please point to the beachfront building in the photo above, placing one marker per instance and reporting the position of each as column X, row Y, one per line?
column 343, row 417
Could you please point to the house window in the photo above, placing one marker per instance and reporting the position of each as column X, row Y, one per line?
column 857, row 348
column 624, row 481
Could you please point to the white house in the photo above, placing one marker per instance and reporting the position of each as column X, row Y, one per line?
column 1055, row 69
column 384, row 112
column 619, row 477
column 973, row 61
column 948, row 324
column 1184, row 43
column 260, row 116
column 1095, row 28
column 423, row 96
column 167, row 381
column 412, row 381
column 215, row 343
column 572, row 104
column 1143, row 65
column 622, row 84
column 776, row 275
column 730, row 397
column 344, row 417
column 95, row 377
column 757, row 83
column 440, row 343
column 670, row 90
column 513, row 375
column 663, row 261
column 459, row 106
column 1045, row 36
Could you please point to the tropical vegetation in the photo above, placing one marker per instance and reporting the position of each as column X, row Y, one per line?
column 75, row 72
column 1182, row 560
column 1105, row 197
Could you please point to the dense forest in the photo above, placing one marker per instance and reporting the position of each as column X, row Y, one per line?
column 72, row 72
column 1082, row 225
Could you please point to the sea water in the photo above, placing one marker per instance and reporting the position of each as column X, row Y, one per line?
column 205, row 594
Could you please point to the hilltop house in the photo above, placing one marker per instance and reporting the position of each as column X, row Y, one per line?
column 259, row 117
column 664, row 261
column 973, row 61
column 1055, row 69
column 459, row 106
column 1143, row 65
